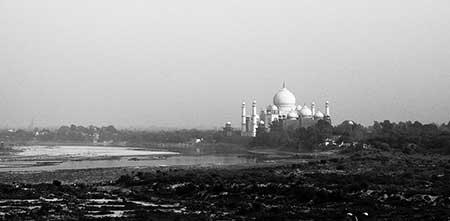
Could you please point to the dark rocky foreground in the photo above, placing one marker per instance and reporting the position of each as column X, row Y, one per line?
column 369, row 185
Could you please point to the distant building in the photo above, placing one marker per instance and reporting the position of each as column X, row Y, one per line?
column 95, row 137
column 285, row 110
column 228, row 130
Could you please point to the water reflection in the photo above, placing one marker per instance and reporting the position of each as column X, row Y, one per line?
column 200, row 160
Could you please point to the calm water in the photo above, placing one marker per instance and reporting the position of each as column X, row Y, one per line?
column 84, row 151
column 41, row 158
column 205, row 160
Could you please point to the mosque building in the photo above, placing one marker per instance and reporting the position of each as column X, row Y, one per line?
column 284, row 110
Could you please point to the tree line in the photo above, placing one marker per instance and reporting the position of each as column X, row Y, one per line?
column 406, row 136
column 109, row 134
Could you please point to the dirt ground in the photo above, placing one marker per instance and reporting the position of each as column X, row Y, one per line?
column 365, row 185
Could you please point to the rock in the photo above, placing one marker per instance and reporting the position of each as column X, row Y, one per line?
column 56, row 182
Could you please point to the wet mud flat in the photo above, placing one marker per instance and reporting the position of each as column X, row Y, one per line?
column 369, row 186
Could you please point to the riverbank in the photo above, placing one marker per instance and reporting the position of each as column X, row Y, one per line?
column 190, row 148
column 53, row 158
column 255, row 159
column 366, row 184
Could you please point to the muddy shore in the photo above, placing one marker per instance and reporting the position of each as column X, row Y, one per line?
column 369, row 185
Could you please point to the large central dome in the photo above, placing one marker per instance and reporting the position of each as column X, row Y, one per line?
column 284, row 98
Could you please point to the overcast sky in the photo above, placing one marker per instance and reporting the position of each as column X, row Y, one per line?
column 190, row 63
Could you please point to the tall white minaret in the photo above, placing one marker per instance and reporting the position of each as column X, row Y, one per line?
column 243, row 123
column 327, row 109
column 254, row 123
column 313, row 108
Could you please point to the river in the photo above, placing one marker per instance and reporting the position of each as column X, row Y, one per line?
column 50, row 158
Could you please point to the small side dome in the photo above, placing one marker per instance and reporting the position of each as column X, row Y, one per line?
column 319, row 115
column 272, row 108
column 292, row 115
column 348, row 122
column 299, row 107
column 306, row 112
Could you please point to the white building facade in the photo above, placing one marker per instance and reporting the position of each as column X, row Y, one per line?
column 283, row 109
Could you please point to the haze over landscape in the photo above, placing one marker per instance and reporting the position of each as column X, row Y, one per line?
column 191, row 63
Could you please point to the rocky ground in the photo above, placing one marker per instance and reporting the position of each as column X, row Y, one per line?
column 363, row 185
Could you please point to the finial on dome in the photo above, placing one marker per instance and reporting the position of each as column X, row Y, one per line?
column 284, row 84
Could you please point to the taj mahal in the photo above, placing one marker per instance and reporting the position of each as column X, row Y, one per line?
column 284, row 110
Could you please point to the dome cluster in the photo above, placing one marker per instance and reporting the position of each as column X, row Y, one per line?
column 284, row 103
column 285, row 110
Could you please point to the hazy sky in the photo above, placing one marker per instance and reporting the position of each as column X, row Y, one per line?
column 190, row 63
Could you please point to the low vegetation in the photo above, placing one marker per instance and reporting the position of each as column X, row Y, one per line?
column 408, row 137
column 111, row 135
column 368, row 184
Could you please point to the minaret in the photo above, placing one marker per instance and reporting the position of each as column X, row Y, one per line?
column 243, row 120
column 254, row 123
column 327, row 109
column 313, row 108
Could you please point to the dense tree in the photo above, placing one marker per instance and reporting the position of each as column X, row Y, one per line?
column 405, row 136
